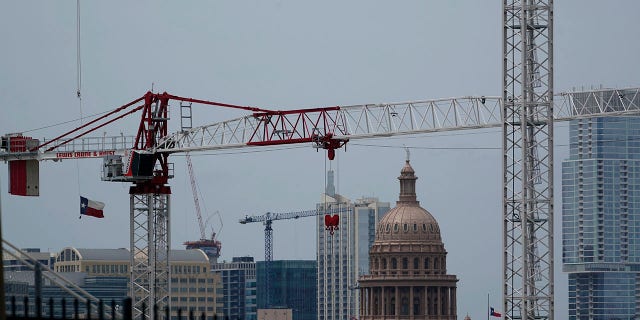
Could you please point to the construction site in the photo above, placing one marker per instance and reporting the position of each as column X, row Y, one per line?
column 260, row 131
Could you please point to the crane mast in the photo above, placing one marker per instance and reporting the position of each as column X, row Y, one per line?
column 527, row 154
column 527, row 150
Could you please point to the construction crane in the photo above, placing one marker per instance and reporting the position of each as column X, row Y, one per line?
column 268, row 218
column 143, row 160
column 211, row 247
column 526, row 111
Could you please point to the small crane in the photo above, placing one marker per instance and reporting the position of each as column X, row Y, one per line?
column 331, row 223
column 212, row 246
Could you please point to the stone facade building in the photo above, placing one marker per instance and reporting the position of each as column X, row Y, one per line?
column 408, row 265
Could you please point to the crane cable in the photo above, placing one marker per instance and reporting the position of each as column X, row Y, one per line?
column 79, row 86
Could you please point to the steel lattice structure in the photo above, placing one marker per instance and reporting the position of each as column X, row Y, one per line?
column 150, row 246
column 527, row 151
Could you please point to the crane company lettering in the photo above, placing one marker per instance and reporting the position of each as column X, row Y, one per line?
column 84, row 154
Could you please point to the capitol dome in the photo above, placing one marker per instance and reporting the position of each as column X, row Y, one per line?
column 408, row 221
column 408, row 263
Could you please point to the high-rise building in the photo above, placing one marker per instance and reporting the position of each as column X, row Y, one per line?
column 408, row 277
column 343, row 254
column 293, row 286
column 238, row 300
column 601, row 214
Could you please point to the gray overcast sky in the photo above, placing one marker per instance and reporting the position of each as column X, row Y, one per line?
column 283, row 55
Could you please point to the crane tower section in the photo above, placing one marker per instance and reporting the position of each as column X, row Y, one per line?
column 527, row 151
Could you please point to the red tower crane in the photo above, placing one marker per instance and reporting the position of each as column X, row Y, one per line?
column 143, row 160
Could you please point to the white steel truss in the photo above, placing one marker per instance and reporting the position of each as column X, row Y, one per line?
column 528, row 159
column 388, row 119
column 150, row 271
column 361, row 121
column 526, row 119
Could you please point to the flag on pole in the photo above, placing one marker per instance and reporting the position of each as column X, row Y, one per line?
column 91, row 208
column 493, row 313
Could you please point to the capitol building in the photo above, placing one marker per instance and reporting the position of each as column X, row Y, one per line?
column 408, row 264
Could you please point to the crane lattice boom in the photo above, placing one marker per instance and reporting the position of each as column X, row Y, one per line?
column 143, row 159
column 347, row 122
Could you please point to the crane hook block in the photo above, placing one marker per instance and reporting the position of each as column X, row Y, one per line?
column 331, row 223
column 330, row 143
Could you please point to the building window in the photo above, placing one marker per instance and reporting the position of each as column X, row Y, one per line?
column 416, row 306
column 416, row 263
column 404, row 308
column 392, row 307
column 405, row 263
column 394, row 263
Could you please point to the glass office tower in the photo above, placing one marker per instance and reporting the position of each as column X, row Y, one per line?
column 601, row 217
column 344, row 255
column 293, row 286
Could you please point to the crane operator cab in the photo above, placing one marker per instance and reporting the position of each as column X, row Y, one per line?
column 133, row 166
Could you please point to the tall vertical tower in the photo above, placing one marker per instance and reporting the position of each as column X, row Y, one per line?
column 344, row 255
column 601, row 215
column 527, row 151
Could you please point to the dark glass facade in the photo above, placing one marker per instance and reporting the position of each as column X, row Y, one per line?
column 293, row 286
column 601, row 218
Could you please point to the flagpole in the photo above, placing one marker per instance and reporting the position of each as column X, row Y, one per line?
column 487, row 306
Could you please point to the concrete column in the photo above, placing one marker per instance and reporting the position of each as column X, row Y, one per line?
column 427, row 307
column 362, row 294
column 455, row 301
column 411, row 301
column 438, row 301
column 383, row 301
column 397, row 313
column 445, row 301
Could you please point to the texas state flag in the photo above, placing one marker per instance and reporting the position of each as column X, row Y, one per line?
column 493, row 313
column 91, row 208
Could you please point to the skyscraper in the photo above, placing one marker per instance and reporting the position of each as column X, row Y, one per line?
column 601, row 215
column 238, row 287
column 344, row 255
column 293, row 286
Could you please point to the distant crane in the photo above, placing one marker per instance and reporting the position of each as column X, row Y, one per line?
column 331, row 223
column 212, row 246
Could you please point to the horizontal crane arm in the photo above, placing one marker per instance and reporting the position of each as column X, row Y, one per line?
column 350, row 122
column 382, row 120
column 270, row 216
